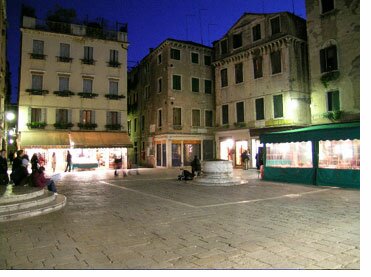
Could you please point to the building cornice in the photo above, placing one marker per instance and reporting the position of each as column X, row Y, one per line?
column 261, row 49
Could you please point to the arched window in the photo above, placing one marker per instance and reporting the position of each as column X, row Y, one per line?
column 328, row 57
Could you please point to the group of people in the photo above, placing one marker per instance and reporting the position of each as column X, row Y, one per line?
column 20, row 175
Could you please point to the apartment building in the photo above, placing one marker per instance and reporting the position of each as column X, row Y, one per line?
column 171, row 105
column 73, row 91
column 261, row 82
column 333, row 28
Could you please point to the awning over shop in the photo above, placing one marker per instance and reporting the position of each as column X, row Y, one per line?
column 44, row 139
column 338, row 131
column 99, row 139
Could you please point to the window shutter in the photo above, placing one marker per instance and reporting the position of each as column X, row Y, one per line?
column 43, row 115
column 108, row 118
column 81, row 116
column 93, row 117
column 118, row 117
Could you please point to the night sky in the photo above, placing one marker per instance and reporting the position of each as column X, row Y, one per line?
column 151, row 21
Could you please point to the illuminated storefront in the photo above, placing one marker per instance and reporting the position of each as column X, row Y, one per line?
column 327, row 155
column 88, row 149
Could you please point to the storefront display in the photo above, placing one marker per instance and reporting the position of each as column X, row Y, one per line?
column 293, row 154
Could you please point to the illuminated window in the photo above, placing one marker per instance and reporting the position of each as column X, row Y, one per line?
column 339, row 154
column 289, row 154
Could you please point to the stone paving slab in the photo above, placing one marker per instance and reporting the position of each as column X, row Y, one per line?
column 152, row 221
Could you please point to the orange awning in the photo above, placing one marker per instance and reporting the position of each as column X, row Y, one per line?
column 99, row 139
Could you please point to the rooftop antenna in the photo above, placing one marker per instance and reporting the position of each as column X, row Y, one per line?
column 199, row 12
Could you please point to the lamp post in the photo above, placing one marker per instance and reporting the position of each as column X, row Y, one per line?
column 7, row 117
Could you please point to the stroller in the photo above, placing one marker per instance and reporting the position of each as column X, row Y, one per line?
column 185, row 175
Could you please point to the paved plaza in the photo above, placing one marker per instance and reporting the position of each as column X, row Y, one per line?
column 153, row 221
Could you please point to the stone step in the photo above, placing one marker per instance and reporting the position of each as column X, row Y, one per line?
column 27, row 203
column 14, row 194
column 58, row 203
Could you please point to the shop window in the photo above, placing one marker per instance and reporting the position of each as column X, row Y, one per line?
column 328, row 59
column 240, row 112
column 276, row 62
column 278, row 106
column 256, row 32
column 224, row 77
column 225, row 119
column 327, row 5
column 289, row 154
column 238, row 72
column 237, row 41
column 191, row 150
column 258, row 67
column 176, row 159
column 333, row 103
column 339, row 154
column 259, row 108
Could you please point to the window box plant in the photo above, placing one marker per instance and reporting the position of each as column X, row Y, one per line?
column 87, row 94
column 333, row 115
column 36, row 125
column 64, row 93
column 114, row 96
column 37, row 91
column 329, row 76
column 87, row 126
column 63, row 125
column 113, row 126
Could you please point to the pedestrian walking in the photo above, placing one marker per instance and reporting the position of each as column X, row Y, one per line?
column 196, row 166
column 69, row 161
column 245, row 159
column 54, row 161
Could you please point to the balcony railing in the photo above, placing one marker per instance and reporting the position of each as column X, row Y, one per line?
column 88, row 61
column 36, row 125
column 37, row 56
column 87, row 126
column 63, row 125
column 33, row 91
column 87, row 94
column 64, row 59
column 114, row 96
column 113, row 64
column 64, row 93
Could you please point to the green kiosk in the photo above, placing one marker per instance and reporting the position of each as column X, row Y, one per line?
column 324, row 155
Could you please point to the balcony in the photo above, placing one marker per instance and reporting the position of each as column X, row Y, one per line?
column 88, row 61
column 87, row 94
column 64, row 93
column 36, row 125
column 113, row 127
column 63, row 125
column 37, row 56
column 37, row 91
column 64, row 59
column 87, row 126
column 114, row 96
column 113, row 64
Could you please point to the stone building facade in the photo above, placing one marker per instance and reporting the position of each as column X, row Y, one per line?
column 73, row 91
column 333, row 28
column 261, row 82
column 171, row 105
